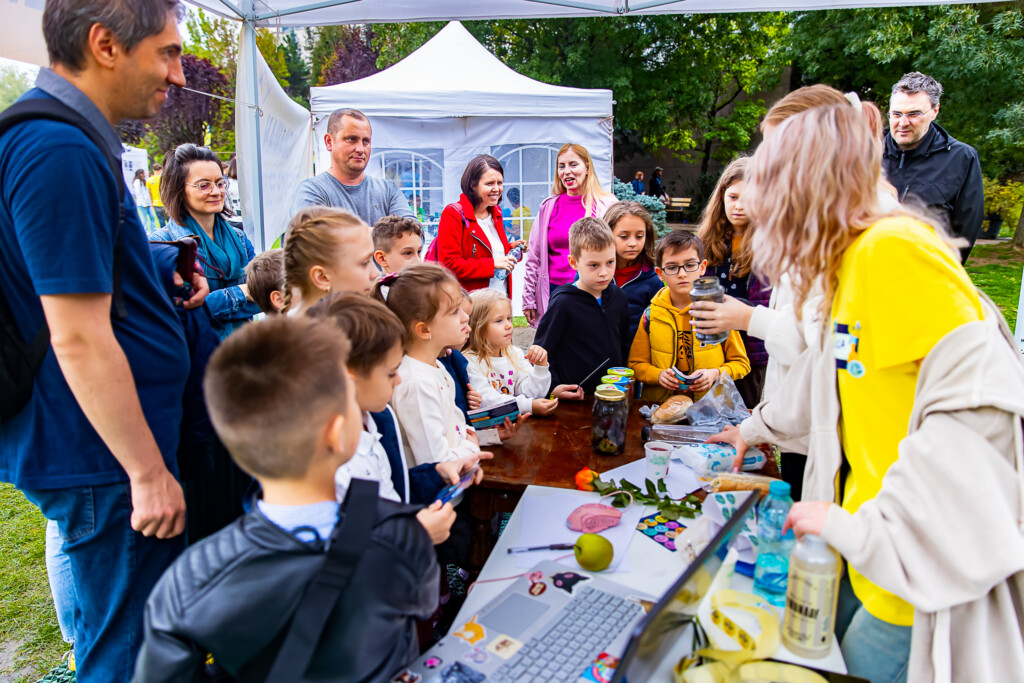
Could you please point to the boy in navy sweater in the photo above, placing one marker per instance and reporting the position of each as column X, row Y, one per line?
column 586, row 327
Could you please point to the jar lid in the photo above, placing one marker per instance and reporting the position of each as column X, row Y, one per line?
column 614, row 379
column 607, row 392
column 620, row 372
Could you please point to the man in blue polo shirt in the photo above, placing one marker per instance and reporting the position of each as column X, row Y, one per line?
column 95, row 446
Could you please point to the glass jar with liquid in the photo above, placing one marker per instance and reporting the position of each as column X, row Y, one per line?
column 708, row 288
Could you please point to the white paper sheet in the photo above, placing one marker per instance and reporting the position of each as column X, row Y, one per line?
column 680, row 481
column 544, row 523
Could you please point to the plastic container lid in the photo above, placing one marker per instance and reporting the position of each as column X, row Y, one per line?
column 621, row 372
column 779, row 488
column 607, row 392
column 614, row 379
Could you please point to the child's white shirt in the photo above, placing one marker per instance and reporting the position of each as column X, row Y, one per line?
column 433, row 428
column 507, row 378
column 370, row 461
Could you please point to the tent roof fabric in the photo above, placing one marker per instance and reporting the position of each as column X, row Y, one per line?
column 321, row 12
column 454, row 75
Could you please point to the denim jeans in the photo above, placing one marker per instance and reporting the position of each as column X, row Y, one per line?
column 113, row 570
column 148, row 217
column 62, row 586
column 873, row 649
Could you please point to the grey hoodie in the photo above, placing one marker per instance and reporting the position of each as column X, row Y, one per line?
column 946, row 530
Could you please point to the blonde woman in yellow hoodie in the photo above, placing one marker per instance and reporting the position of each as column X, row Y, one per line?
column 665, row 339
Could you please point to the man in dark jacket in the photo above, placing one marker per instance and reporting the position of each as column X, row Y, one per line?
column 924, row 161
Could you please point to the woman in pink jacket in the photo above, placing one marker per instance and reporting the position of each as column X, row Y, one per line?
column 576, row 193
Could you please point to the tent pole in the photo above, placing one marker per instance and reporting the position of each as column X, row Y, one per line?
column 252, row 145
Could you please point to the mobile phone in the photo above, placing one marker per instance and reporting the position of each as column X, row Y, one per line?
column 449, row 493
column 188, row 249
column 687, row 381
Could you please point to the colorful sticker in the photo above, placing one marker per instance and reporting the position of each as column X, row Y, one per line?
column 602, row 670
column 504, row 646
column 661, row 530
column 567, row 580
column 477, row 656
column 461, row 673
column 538, row 588
column 432, row 662
column 646, row 604
column 407, row 676
column 471, row 632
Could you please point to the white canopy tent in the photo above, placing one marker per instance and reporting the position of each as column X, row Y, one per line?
column 451, row 100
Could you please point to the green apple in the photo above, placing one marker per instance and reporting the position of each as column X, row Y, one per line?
column 593, row 552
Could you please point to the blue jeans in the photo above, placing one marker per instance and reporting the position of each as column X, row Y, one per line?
column 62, row 586
column 148, row 217
column 873, row 649
column 113, row 570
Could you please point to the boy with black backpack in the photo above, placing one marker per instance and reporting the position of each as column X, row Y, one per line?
column 301, row 587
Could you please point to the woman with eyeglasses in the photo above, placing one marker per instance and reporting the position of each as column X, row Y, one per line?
column 193, row 189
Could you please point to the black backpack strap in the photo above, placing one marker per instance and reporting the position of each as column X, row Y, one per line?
column 348, row 542
column 55, row 110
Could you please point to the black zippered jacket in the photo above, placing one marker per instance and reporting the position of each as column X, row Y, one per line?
column 234, row 593
column 578, row 333
column 943, row 173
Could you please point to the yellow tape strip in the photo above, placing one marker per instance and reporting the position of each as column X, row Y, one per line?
column 737, row 666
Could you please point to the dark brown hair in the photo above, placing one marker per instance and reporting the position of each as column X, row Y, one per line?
column 618, row 210
column 272, row 387
column 678, row 240
column 371, row 328
column 475, row 170
column 416, row 294
column 391, row 228
column 716, row 231
column 66, row 25
column 172, row 182
column 313, row 236
column 265, row 275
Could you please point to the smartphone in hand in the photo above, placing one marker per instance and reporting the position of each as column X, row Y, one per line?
column 686, row 382
column 449, row 493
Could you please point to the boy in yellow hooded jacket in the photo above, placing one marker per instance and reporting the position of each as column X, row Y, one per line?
column 665, row 339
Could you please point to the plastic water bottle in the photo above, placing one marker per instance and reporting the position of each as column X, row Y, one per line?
column 515, row 255
column 810, row 621
column 772, row 569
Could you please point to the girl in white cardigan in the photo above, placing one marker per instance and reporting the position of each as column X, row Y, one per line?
column 499, row 369
column 428, row 301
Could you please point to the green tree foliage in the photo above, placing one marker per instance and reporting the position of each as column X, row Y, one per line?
column 342, row 53
column 13, row 84
column 298, row 72
column 682, row 82
column 975, row 51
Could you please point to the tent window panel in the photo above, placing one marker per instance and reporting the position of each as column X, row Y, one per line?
column 529, row 175
column 419, row 174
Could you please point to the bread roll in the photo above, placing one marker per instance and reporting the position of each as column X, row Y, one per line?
column 741, row 482
column 672, row 411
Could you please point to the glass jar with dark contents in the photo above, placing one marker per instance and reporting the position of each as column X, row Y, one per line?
column 708, row 288
column 608, row 426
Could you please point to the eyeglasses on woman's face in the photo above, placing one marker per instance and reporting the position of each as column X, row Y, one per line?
column 206, row 187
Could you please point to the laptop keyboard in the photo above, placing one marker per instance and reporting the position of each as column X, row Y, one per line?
column 573, row 640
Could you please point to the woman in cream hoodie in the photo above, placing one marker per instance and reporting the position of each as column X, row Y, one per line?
column 915, row 392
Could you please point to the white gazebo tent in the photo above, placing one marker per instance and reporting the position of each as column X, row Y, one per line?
column 451, row 100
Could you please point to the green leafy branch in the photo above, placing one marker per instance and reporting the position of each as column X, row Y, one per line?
column 672, row 508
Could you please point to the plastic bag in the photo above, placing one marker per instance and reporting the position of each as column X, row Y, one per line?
column 677, row 433
column 711, row 458
column 721, row 406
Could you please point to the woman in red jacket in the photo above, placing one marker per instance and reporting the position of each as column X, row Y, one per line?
column 471, row 238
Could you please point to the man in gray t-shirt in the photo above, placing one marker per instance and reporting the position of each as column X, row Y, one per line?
column 345, row 184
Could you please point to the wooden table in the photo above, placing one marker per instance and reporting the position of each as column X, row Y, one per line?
column 547, row 451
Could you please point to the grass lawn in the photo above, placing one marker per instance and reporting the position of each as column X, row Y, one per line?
column 30, row 642
column 996, row 270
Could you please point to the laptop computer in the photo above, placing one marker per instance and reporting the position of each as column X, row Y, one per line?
column 559, row 624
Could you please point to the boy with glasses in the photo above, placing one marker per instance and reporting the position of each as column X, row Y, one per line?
column 922, row 160
column 665, row 342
